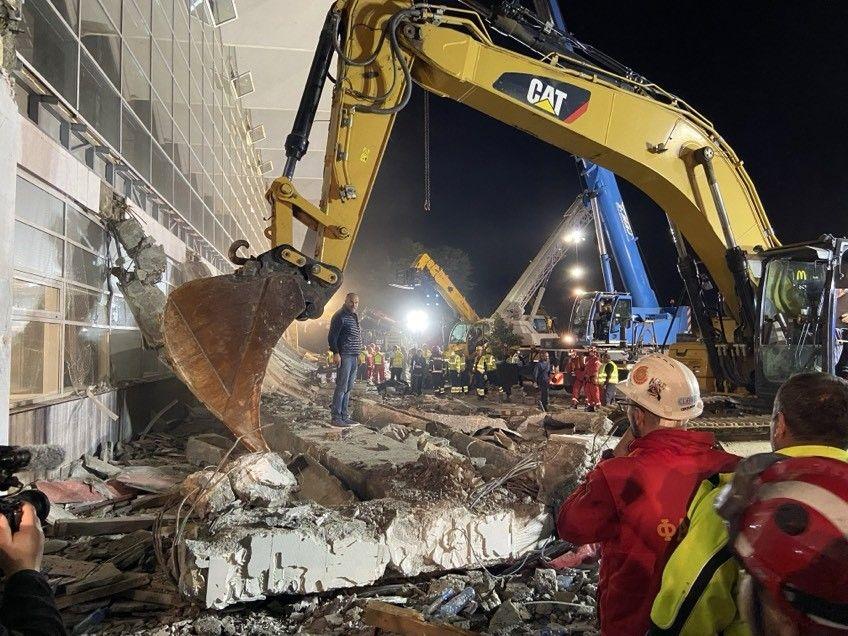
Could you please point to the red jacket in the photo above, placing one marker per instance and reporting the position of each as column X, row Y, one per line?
column 632, row 505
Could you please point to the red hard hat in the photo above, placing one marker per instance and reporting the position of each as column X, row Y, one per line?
column 788, row 519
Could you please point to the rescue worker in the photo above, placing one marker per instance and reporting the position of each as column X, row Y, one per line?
column 362, row 371
column 633, row 501
column 379, row 375
column 577, row 368
column 793, row 546
column 417, row 367
column 397, row 363
column 809, row 419
column 455, row 364
column 508, row 374
column 467, row 370
column 491, row 367
column 427, row 353
column 478, row 367
column 591, row 388
column 437, row 371
column 542, row 378
column 607, row 379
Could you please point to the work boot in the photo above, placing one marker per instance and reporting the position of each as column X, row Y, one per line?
column 590, row 408
column 348, row 423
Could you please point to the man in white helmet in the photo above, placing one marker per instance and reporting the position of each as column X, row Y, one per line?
column 633, row 501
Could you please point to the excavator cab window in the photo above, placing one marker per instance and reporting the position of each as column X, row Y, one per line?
column 622, row 314
column 459, row 334
column 792, row 338
column 580, row 315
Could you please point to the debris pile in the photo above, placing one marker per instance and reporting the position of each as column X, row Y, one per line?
column 183, row 531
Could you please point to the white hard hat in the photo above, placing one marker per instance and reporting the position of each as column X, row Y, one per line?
column 663, row 386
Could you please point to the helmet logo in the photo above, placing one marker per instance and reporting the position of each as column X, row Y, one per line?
column 656, row 387
column 640, row 375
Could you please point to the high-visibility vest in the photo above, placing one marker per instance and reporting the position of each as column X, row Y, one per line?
column 480, row 364
column 490, row 362
column 602, row 374
column 455, row 362
column 397, row 360
column 427, row 353
column 363, row 357
column 378, row 358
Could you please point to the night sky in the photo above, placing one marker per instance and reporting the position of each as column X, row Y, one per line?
column 770, row 75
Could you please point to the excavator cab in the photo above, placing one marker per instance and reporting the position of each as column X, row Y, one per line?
column 800, row 328
column 600, row 318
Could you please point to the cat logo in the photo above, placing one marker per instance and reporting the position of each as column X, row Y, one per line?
column 564, row 101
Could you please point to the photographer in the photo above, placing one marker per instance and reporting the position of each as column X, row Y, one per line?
column 27, row 606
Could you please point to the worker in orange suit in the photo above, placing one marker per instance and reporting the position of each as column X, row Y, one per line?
column 577, row 368
column 591, row 387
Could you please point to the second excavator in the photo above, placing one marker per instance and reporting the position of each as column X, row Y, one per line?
column 220, row 331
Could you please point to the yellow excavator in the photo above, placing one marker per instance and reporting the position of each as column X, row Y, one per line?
column 467, row 318
column 219, row 332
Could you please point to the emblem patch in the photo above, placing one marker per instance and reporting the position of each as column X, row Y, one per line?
column 564, row 101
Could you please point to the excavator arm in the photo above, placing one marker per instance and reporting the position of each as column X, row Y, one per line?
column 625, row 124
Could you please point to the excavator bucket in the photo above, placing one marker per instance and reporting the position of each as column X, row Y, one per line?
column 219, row 333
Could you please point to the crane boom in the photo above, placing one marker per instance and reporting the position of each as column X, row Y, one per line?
column 554, row 249
column 444, row 285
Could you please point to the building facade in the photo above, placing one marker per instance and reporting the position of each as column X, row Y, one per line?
column 138, row 98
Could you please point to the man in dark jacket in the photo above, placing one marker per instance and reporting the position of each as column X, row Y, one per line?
column 28, row 606
column 542, row 378
column 345, row 341
column 632, row 503
column 417, row 366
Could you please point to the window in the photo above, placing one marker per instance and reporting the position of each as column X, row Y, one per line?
column 35, row 359
column 36, row 206
column 46, row 42
column 82, row 305
column 100, row 103
column 34, row 297
column 137, row 35
column 84, row 231
column 136, row 89
column 135, row 144
column 86, row 357
column 99, row 35
column 37, row 251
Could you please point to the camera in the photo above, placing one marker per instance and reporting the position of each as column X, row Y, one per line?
column 14, row 459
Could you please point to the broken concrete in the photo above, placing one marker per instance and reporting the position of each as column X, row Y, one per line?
column 208, row 492
column 261, row 479
column 253, row 554
column 209, row 449
column 317, row 484
column 565, row 461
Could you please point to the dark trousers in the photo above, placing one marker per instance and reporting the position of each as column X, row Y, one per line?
column 456, row 385
column 397, row 374
column 437, row 381
column 417, row 383
column 480, row 384
column 543, row 395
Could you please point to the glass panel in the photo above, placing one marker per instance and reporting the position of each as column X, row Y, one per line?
column 135, row 144
column 182, row 196
column 162, row 80
column 47, row 43
column 136, row 89
column 163, row 173
column 69, row 10
column 125, row 355
column 137, row 36
column 121, row 314
column 100, row 103
column 85, row 306
column 85, row 267
column 38, row 206
column 162, row 16
column 162, row 126
column 86, row 357
column 30, row 296
column 85, row 231
column 181, row 155
column 101, row 39
column 144, row 8
column 35, row 359
column 792, row 292
column 113, row 8
column 37, row 251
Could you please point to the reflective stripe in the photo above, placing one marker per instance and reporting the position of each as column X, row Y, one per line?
column 829, row 505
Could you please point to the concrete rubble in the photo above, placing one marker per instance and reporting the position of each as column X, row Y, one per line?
column 331, row 532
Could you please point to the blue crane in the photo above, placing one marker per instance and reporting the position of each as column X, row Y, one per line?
column 612, row 317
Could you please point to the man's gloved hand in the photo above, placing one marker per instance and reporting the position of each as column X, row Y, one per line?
column 24, row 549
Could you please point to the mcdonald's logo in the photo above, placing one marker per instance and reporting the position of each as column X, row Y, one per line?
column 801, row 275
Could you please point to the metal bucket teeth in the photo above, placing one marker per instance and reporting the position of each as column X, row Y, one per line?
column 219, row 333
